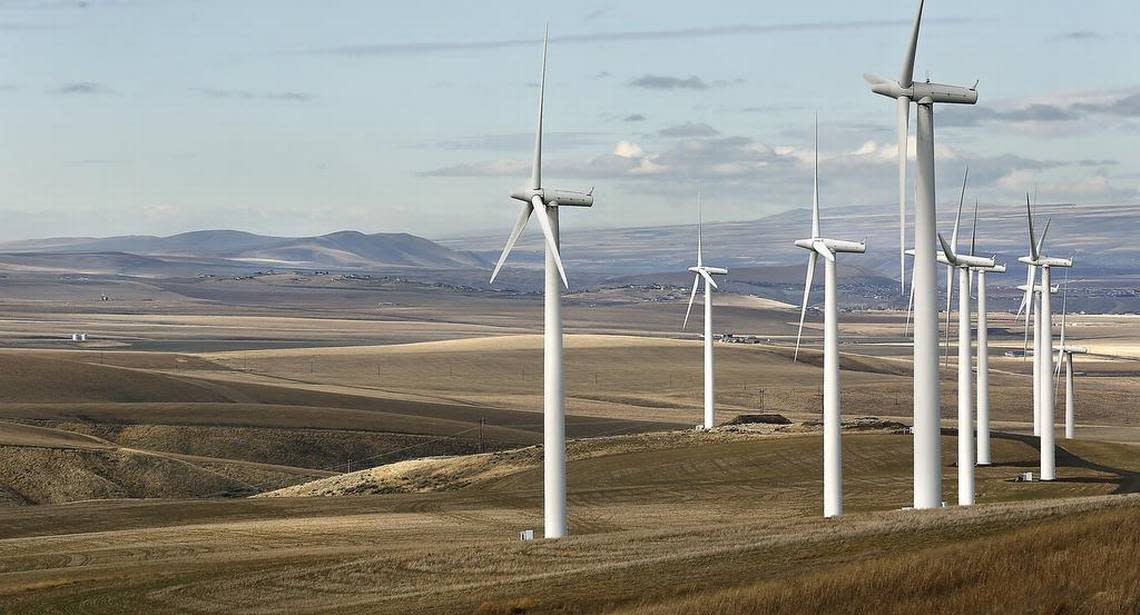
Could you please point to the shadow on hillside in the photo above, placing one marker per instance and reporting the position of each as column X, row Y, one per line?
column 1126, row 481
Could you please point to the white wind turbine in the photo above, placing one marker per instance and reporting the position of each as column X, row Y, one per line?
column 699, row 272
column 1065, row 354
column 983, row 457
column 1030, row 303
column 1038, row 259
column 817, row 246
column 964, row 263
column 544, row 204
column 927, row 428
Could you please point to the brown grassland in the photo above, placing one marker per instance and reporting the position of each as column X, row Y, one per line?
column 125, row 462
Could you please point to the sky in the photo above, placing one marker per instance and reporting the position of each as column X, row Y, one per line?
column 297, row 118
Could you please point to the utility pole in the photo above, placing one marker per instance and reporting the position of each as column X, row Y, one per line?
column 482, row 442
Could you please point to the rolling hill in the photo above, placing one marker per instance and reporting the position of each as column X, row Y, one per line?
column 343, row 250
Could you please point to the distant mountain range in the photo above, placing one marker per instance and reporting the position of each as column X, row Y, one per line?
column 759, row 254
column 344, row 250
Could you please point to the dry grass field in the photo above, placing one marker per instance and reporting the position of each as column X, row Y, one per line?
column 660, row 379
column 124, row 461
column 657, row 524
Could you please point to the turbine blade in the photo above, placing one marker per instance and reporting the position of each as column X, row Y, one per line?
column 903, row 120
column 692, row 297
column 815, row 186
column 520, row 224
column 974, row 233
column 1064, row 314
column 909, row 306
column 548, row 231
column 949, row 297
column 1044, row 234
column 1061, row 346
column 949, row 287
column 958, row 216
column 874, row 79
column 700, row 237
column 908, row 61
column 803, row 308
column 952, row 257
column 1032, row 235
column 536, row 167
column 1029, row 307
column 1029, row 277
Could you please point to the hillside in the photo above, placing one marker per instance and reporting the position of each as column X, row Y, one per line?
column 657, row 526
column 341, row 250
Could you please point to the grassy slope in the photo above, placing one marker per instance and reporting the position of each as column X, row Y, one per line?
column 1085, row 563
column 93, row 425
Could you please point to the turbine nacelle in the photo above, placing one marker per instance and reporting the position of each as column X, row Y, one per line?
column 1037, row 288
column 709, row 270
column 996, row 268
column 832, row 245
column 963, row 260
column 555, row 198
column 923, row 92
column 939, row 256
column 1071, row 349
column 1046, row 261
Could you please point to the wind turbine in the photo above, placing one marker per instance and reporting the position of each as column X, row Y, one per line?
column 983, row 393
column 701, row 271
column 964, row 263
column 927, row 428
column 1038, row 259
column 1030, row 303
column 817, row 245
column 1065, row 354
column 544, row 204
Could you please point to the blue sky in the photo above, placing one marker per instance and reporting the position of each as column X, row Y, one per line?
column 121, row 117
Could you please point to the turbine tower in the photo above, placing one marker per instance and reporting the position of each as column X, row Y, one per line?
column 1065, row 354
column 964, row 263
column 817, row 246
column 983, row 457
column 701, row 271
column 1038, row 259
column 927, row 428
column 1032, row 299
column 544, row 204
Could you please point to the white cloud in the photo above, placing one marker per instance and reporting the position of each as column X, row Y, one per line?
column 625, row 149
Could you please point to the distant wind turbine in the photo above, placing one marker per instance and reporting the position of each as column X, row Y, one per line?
column 817, row 246
column 1065, row 354
column 544, row 204
column 707, row 273
column 964, row 263
column 1038, row 259
column 983, row 360
column 1030, row 303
